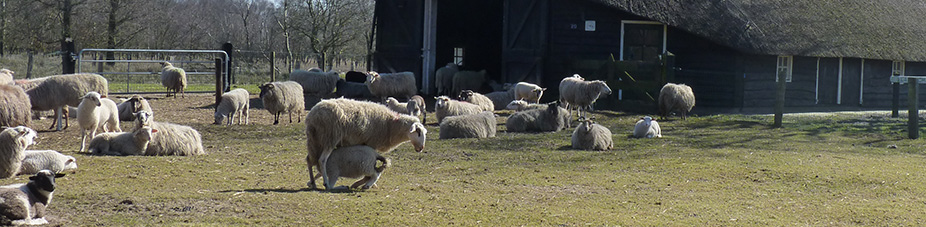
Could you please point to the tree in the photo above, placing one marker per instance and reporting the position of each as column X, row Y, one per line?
column 330, row 27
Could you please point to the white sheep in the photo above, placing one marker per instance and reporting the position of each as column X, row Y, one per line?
column 647, row 127
column 467, row 80
column 36, row 160
column 400, row 84
column 591, row 136
column 481, row 125
column 342, row 122
column 58, row 92
column 478, row 99
column 283, row 97
column 521, row 105
column 122, row 143
column 528, row 92
column 96, row 112
column 675, row 98
column 444, row 78
column 416, row 107
column 170, row 139
column 316, row 83
column 25, row 204
column 235, row 103
column 13, row 143
column 445, row 107
column 355, row 162
column 173, row 78
column 500, row 99
column 128, row 107
column 551, row 119
column 576, row 93
column 6, row 77
column 16, row 109
column 398, row 107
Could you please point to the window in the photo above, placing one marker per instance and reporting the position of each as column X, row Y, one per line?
column 784, row 67
column 642, row 40
column 898, row 68
column 458, row 55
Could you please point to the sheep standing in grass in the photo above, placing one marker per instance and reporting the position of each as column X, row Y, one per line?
column 316, row 83
column 127, row 108
column 467, row 80
column 6, row 77
column 551, row 119
column 647, row 127
column 481, row 125
column 577, row 93
column 521, row 105
column 173, row 78
column 355, row 162
column 416, row 107
column 16, row 108
column 13, row 143
column 96, row 112
column 500, row 99
column 444, row 82
column 123, row 143
column 235, row 103
column 528, row 92
column 353, row 90
column 342, row 122
column 445, row 107
column 392, row 84
column 58, row 92
column 675, row 98
column 591, row 136
column 478, row 99
column 283, row 97
column 25, row 204
column 36, row 160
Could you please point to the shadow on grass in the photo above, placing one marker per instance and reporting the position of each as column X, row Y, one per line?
column 283, row 190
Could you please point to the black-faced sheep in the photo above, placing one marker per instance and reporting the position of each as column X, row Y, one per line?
column 13, row 143
column 675, row 98
column 528, row 92
column 16, row 109
column 128, row 107
column 122, row 143
column 235, row 103
column 481, row 125
column 384, row 85
column 283, row 97
column 591, row 136
column 444, row 78
column 173, row 78
column 551, row 119
column 355, row 162
column 478, row 99
column 343, row 122
column 467, row 80
column 320, row 84
column 57, row 92
column 25, row 204
column 579, row 94
column 445, row 107
column 647, row 127
column 36, row 160
column 354, row 90
column 96, row 112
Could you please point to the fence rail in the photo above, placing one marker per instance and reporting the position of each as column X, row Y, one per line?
column 196, row 64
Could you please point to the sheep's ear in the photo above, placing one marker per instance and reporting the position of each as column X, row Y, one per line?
column 59, row 175
column 103, row 96
column 544, row 89
column 154, row 130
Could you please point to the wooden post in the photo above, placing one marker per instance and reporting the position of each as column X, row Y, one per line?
column 229, row 48
column 913, row 111
column 895, row 100
column 273, row 75
column 219, row 82
column 780, row 100
column 29, row 65
column 67, row 59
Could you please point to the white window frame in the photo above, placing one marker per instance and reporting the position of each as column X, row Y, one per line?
column 898, row 68
column 458, row 55
column 785, row 62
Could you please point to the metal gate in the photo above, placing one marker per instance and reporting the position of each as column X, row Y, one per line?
column 140, row 69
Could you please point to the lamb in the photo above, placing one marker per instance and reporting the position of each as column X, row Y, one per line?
column 445, row 107
column 444, row 78
column 96, row 112
column 127, row 108
column 36, row 160
column 235, row 103
column 675, row 98
column 13, row 143
column 481, row 125
column 170, row 139
column 521, row 105
column 591, row 136
column 478, row 99
column 416, row 107
column 57, row 92
column 528, row 92
column 500, row 99
column 353, row 90
column 123, row 143
column 6, row 77
column 398, row 107
column 467, row 80
column 551, row 119
column 321, row 84
column 647, row 127
column 173, row 78
column 392, row 84
column 577, row 93
column 25, row 204
column 16, row 108
column 355, row 162
column 283, row 97
column 342, row 122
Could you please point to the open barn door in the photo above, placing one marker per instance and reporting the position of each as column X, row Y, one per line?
column 524, row 40
column 399, row 34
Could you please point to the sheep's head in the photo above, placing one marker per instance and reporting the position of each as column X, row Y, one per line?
column 413, row 108
column 265, row 88
column 45, row 180
column 392, row 101
column 23, row 135
column 166, row 64
column 465, row 95
column 440, row 102
column 219, row 118
column 92, row 98
column 145, row 133
column 576, row 76
column 143, row 118
column 416, row 135
column 372, row 76
column 70, row 164
column 602, row 87
column 647, row 120
column 7, row 72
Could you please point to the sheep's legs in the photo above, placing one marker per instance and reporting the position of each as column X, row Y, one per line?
column 312, row 176
column 323, row 167
column 276, row 118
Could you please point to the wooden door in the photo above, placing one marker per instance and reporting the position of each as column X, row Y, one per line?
column 524, row 39
column 399, row 35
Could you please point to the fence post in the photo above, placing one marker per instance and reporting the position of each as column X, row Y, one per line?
column 895, row 100
column 913, row 111
column 273, row 56
column 218, row 81
column 29, row 65
column 229, row 48
column 67, row 56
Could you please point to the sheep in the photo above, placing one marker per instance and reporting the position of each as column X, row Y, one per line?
column 591, row 136
column 123, row 143
column 675, row 98
column 481, row 125
column 36, row 160
column 521, row 105
column 16, row 109
column 355, row 162
column 444, row 78
column 13, row 143
column 173, row 78
column 342, row 122
column 647, row 127
column 235, row 103
column 400, row 84
column 170, row 139
column 280, row 97
column 551, row 119
column 128, row 107
column 398, row 107
column 416, row 107
column 96, row 112
column 57, row 92
column 478, row 99
column 6, row 77
column 577, row 93
column 25, row 204
column 500, row 99
column 353, row 90
column 528, row 92
column 321, row 84
column 445, row 107
column 412, row 107
column 354, row 76
column 467, row 80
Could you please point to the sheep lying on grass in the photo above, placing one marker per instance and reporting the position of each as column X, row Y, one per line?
column 577, row 93
column 16, row 109
column 57, row 92
column 481, row 125
column 123, row 143
column 355, row 162
column 478, row 99
column 96, row 112
column 283, row 97
column 467, row 80
column 25, row 204
column 444, row 76
column 235, row 103
column 127, row 108
column 13, row 143
column 647, row 127
column 316, row 83
column 36, row 160
column 551, row 119
column 392, row 84
column 445, row 107
column 343, row 122
column 528, row 92
column 521, row 105
column 675, row 98
column 173, row 78
column 591, row 136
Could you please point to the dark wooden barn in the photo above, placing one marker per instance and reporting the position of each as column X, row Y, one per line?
column 835, row 53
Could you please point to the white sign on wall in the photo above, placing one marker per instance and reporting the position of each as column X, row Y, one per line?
column 589, row 25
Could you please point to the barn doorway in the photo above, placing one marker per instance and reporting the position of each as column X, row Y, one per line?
column 470, row 31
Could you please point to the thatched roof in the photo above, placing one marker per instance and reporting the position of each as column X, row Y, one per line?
column 873, row 29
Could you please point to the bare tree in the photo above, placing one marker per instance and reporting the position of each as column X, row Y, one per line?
column 331, row 26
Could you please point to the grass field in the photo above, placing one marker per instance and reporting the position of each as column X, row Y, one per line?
column 719, row 170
